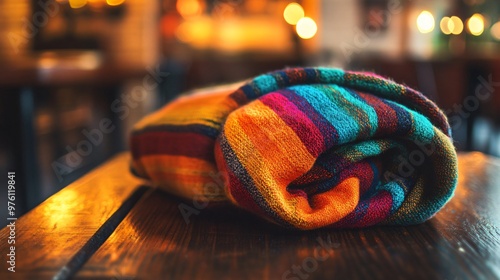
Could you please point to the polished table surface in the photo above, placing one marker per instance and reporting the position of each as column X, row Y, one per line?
column 110, row 225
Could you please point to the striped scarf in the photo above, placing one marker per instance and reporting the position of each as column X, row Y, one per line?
column 305, row 148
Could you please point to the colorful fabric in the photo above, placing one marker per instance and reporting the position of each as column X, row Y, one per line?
column 305, row 148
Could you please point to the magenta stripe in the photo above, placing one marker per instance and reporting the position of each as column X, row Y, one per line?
column 305, row 129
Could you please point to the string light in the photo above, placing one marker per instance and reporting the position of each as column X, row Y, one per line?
column 75, row 4
column 115, row 2
column 455, row 25
column 444, row 24
column 425, row 22
column 293, row 13
column 495, row 31
column 306, row 28
column 475, row 24
column 188, row 8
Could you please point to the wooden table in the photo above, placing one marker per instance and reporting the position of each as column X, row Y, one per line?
column 20, row 86
column 106, row 226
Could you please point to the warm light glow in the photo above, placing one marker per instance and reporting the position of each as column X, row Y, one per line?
column 197, row 32
column 83, row 60
column 293, row 13
column 495, row 31
column 184, row 32
column 445, row 25
column 256, row 6
column 75, row 4
column 61, row 208
column 475, row 24
column 115, row 2
column 96, row 4
column 306, row 28
column 425, row 22
column 455, row 25
column 188, row 8
column 88, row 61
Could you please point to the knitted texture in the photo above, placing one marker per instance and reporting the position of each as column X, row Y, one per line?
column 305, row 148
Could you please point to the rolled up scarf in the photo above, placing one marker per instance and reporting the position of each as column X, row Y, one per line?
column 305, row 148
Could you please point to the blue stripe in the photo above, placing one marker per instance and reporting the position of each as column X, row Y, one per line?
column 312, row 74
column 282, row 78
column 405, row 123
column 346, row 126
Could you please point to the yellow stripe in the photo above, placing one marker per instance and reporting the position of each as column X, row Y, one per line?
column 188, row 110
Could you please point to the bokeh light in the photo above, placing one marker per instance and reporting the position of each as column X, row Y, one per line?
column 444, row 24
column 75, row 4
column 455, row 25
column 306, row 28
column 495, row 31
column 293, row 13
column 188, row 8
column 115, row 2
column 475, row 24
column 197, row 32
column 425, row 22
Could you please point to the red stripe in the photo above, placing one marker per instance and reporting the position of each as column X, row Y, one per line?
column 296, row 76
column 173, row 143
column 387, row 118
column 235, row 187
column 361, row 170
column 378, row 211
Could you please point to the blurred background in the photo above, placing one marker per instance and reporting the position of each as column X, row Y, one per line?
column 75, row 75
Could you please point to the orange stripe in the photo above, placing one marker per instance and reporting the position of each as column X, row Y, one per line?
column 253, row 162
column 283, row 152
column 335, row 204
column 167, row 162
column 252, row 132
column 183, row 176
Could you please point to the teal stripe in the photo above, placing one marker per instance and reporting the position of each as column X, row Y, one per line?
column 422, row 128
column 264, row 84
column 397, row 193
column 369, row 148
column 359, row 151
column 331, row 75
column 378, row 86
column 362, row 106
column 346, row 126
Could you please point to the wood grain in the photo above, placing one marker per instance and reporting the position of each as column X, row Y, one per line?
column 155, row 242
column 49, row 235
